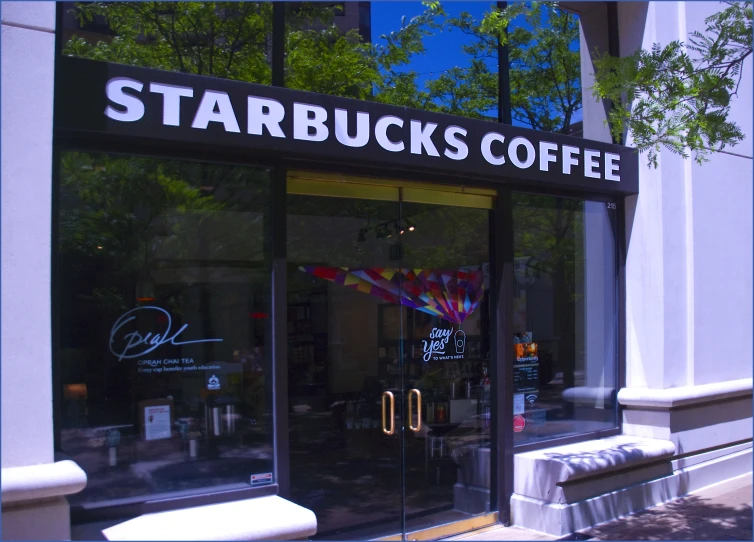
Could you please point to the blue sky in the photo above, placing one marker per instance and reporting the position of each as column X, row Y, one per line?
column 443, row 50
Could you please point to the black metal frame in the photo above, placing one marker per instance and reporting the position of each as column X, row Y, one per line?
column 57, row 391
column 501, row 255
column 501, row 371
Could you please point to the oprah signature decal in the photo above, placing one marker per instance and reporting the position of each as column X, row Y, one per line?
column 128, row 343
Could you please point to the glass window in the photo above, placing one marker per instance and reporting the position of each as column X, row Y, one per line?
column 399, row 53
column 564, row 322
column 231, row 40
column 545, row 68
column 163, row 300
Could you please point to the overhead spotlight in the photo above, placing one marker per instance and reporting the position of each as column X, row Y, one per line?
column 410, row 225
column 400, row 228
column 362, row 235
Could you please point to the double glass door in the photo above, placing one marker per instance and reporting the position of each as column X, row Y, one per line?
column 388, row 355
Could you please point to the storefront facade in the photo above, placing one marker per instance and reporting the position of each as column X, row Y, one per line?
column 268, row 313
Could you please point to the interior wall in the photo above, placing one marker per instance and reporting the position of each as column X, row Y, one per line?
column 352, row 338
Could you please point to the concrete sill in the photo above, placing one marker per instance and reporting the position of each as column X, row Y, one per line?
column 684, row 396
column 261, row 518
column 36, row 482
column 537, row 473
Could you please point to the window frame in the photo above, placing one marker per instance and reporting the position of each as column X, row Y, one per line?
column 154, row 502
column 501, row 255
column 619, row 292
column 501, row 251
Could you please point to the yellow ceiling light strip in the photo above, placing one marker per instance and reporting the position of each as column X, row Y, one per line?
column 452, row 199
column 351, row 186
column 306, row 187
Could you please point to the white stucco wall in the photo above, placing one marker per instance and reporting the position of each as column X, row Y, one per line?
column 28, row 51
column 34, row 507
column 689, row 262
column 722, row 243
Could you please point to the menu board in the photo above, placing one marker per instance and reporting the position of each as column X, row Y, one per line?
column 526, row 381
column 526, row 378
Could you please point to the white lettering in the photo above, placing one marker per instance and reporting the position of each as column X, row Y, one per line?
column 380, row 133
column 265, row 112
column 568, row 159
column 612, row 167
column 422, row 137
column 206, row 113
column 134, row 106
column 436, row 345
column 302, row 122
column 461, row 150
column 487, row 151
column 362, row 128
column 546, row 155
column 171, row 101
column 517, row 142
column 590, row 162
column 126, row 342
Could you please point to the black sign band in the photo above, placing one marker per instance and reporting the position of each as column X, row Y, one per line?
column 151, row 105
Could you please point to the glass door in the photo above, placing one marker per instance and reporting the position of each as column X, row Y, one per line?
column 447, row 437
column 388, row 350
column 344, row 377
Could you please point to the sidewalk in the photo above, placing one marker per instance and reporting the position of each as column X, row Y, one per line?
column 719, row 512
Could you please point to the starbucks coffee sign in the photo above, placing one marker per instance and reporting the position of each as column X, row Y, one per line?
column 157, row 107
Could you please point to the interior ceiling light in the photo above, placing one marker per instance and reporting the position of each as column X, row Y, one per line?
column 411, row 226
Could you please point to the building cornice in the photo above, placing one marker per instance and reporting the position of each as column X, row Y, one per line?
column 686, row 395
column 34, row 482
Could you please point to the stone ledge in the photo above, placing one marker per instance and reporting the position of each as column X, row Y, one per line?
column 539, row 474
column 35, row 482
column 684, row 396
column 261, row 518
column 562, row 519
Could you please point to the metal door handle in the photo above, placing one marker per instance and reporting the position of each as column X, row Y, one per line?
column 418, row 410
column 392, row 413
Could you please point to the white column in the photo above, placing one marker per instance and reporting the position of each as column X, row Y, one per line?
column 659, row 276
column 689, row 273
column 28, row 59
column 28, row 49
column 593, row 34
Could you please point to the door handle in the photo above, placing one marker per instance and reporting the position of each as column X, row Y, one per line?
column 392, row 413
column 418, row 410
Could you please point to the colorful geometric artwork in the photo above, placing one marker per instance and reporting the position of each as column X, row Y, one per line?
column 450, row 294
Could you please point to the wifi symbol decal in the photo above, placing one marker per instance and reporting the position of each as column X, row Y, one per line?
column 531, row 398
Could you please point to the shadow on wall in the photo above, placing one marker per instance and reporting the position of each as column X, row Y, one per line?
column 694, row 517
